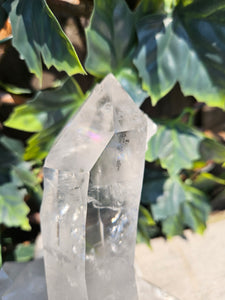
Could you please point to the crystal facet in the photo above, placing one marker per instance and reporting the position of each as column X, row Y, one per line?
column 93, row 179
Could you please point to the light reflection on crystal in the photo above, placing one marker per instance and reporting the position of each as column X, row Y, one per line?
column 64, row 210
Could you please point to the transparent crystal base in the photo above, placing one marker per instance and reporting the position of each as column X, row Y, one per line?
column 25, row 281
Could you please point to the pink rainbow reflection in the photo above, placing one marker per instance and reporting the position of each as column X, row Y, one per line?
column 94, row 136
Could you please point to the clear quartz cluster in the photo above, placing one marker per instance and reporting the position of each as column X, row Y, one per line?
column 92, row 186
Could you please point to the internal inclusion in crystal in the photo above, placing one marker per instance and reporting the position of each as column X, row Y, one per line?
column 93, row 180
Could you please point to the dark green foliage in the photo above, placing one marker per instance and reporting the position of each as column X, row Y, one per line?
column 185, row 45
column 24, row 252
column 111, row 42
column 15, row 180
column 46, row 114
column 37, row 35
column 176, row 145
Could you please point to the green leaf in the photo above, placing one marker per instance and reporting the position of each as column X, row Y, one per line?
column 145, row 221
column 192, row 212
column 152, row 185
column 11, row 151
column 13, row 209
column 215, row 179
column 111, row 41
column 186, row 46
column 195, row 209
column 38, row 36
column 206, row 182
column 24, row 252
column 47, row 108
column 145, row 216
column 14, row 89
column 14, row 177
column 40, row 143
column 149, row 7
column 176, row 145
column 168, row 204
column 127, row 77
column 47, row 113
column 57, row 106
column 25, row 117
column 212, row 150
column 26, row 177
column 172, row 226
column 170, row 4
column 186, row 2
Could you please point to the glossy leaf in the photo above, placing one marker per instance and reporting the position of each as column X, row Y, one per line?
column 145, row 216
column 14, row 89
column 145, row 222
column 168, row 204
column 25, row 118
column 67, row 99
column 146, row 7
column 181, row 206
column 46, row 114
column 11, row 151
column 24, row 252
column 193, row 214
column 47, row 108
column 195, row 210
column 212, row 150
column 206, row 182
column 172, row 226
column 38, row 36
column 186, row 46
column 152, row 185
column 13, row 209
column 40, row 143
column 24, row 177
column 111, row 40
column 16, row 177
column 176, row 145
column 170, row 4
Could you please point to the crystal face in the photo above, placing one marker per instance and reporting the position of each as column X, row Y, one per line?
column 93, row 179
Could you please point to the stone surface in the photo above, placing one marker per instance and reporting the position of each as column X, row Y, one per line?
column 148, row 291
column 93, row 179
column 5, row 282
column 8, row 274
column 27, row 281
column 191, row 269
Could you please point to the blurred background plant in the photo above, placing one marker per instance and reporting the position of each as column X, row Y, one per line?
column 168, row 55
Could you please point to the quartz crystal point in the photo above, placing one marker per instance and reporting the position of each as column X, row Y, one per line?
column 93, row 179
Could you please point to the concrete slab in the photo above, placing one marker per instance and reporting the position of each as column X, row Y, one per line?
column 191, row 269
